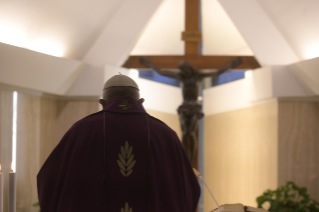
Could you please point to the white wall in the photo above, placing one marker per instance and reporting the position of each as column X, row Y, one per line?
column 158, row 96
column 45, row 73
column 89, row 83
column 230, row 96
column 286, row 84
column 298, row 80
column 308, row 74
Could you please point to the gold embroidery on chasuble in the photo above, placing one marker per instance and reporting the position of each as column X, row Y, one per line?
column 126, row 160
column 126, row 208
column 125, row 105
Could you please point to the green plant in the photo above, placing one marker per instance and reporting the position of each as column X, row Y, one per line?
column 288, row 198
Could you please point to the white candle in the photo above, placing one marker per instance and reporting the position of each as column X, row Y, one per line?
column 1, row 190
column 12, row 191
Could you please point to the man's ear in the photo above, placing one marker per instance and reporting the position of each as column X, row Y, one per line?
column 102, row 102
column 141, row 100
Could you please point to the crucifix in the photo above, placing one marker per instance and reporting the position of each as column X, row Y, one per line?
column 190, row 75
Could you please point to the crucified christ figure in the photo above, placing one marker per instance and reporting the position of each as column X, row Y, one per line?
column 190, row 110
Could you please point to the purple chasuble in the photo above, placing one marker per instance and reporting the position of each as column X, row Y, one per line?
column 118, row 160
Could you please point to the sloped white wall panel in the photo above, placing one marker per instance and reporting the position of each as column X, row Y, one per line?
column 37, row 71
column 89, row 83
column 308, row 74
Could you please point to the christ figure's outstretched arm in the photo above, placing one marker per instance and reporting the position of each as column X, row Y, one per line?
column 146, row 62
column 235, row 62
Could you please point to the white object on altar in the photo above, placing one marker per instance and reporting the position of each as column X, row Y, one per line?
column 239, row 208
column 229, row 207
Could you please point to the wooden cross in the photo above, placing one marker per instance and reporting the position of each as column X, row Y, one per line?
column 192, row 37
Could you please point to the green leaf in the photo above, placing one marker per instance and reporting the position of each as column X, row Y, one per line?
column 288, row 198
column 303, row 191
column 260, row 200
column 278, row 194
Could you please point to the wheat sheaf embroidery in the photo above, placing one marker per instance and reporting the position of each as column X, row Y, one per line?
column 125, row 105
column 126, row 160
column 126, row 208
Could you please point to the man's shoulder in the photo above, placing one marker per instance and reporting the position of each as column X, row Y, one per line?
column 90, row 119
column 159, row 124
column 157, row 121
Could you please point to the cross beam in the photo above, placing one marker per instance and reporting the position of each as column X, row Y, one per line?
column 197, row 61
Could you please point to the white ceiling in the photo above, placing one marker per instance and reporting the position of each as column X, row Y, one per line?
column 263, row 37
column 220, row 35
column 162, row 34
column 70, row 28
column 67, row 27
column 298, row 21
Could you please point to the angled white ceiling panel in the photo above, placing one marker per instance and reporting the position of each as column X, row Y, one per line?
column 162, row 34
column 121, row 33
column 298, row 22
column 265, row 40
column 65, row 28
column 220, row 35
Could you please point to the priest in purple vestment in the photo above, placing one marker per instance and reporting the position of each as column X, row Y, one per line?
column 118, row 160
